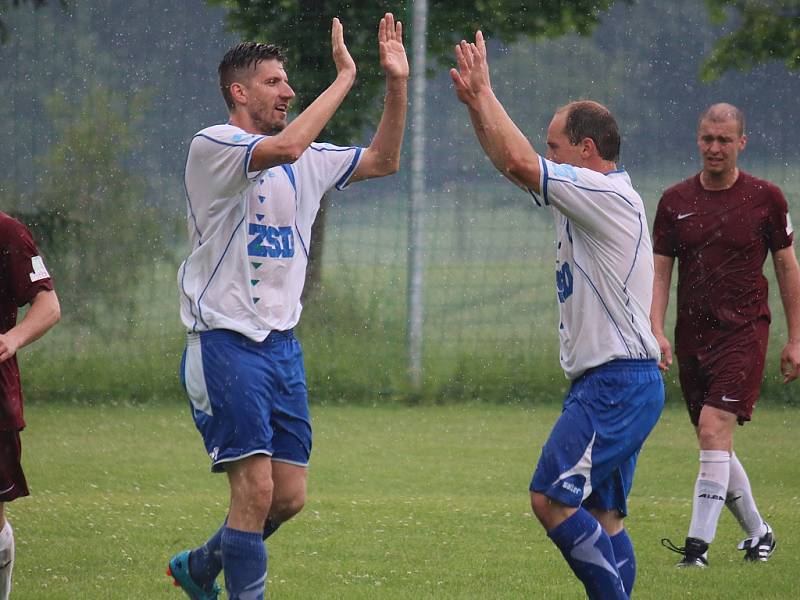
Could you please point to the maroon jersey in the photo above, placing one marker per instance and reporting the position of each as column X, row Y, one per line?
column 22, row 276
column 721, row 239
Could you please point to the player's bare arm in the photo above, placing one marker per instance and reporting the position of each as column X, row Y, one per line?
column 44, row 312
column 662, row 277
column 382, row 157
column 787, row 273
column 509, row 150
column 289, row 144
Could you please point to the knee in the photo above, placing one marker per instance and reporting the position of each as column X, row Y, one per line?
column 541, row 505
column 254, row 496
column 284, row 508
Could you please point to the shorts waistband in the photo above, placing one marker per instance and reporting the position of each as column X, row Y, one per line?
column 625, row 364
column 274, row 336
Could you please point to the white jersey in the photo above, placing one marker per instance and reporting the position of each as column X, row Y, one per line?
column 604, row 266
column 250, row 231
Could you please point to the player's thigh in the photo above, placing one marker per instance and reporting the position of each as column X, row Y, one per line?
column 736, row 368
column 290, row 487
column 290, row 419
column 228, row 384
column 564, row 465
column 694, row 384
column 12, row 479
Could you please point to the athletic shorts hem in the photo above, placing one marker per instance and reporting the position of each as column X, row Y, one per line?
column 742, row 416
column 290, row 462
column 217, row 465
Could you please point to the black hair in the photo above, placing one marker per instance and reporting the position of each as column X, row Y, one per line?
column 240, row 58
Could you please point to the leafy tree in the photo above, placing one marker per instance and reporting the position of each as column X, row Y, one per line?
column 768, row 30
column 302, row 27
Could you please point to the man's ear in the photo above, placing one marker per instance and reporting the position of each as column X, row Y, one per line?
column 588, row 147
column 238, row 93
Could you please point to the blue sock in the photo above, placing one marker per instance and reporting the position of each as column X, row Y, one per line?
column 587, row 550
column 205, row 562
column 626, row 560
column 270, row 527
column 244, row 559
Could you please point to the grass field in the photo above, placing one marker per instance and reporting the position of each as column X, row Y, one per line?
column 425, row 502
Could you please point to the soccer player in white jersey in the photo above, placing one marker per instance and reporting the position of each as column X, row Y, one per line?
column 253, row 188
column 604, row 277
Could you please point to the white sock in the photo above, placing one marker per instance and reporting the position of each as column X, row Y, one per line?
column 709, row 494
column 6, row 560
column 741, row 503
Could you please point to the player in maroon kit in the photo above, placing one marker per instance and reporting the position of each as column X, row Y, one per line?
column 23, row 280
column 720, row 225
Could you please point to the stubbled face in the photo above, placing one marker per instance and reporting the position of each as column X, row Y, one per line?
column 719, row 143
column 268, row 96
column 559, row 148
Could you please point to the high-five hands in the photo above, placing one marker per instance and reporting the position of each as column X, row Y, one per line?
column 390, row 46
column 472, row 75
column 341, row 56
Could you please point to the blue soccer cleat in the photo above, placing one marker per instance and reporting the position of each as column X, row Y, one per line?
column 178, row 569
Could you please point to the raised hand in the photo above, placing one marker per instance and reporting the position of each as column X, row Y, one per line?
column 390, row 46
column 341, row 56
column 472, row 75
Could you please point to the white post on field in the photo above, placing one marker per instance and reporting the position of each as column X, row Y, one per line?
column 416, row 260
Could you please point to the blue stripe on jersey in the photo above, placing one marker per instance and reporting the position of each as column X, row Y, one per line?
column 247, row 161
column 216, row 268
column 343, row 181
column 545, row 178
column 290, row 174
column 625, row 283
column 321, row 148
column 605, row 307
column 189, row 202
column 188, row 300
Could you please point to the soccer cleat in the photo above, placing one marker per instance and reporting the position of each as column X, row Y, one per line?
column 694, row 552
column 178, row 569
column 759, row 549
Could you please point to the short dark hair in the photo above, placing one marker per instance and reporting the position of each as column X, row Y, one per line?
column 241, row 57
column 589, row 119
column 722, row 111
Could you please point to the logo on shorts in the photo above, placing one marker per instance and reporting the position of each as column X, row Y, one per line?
column 571, row 487
column 684, row 215
column 726, row 399
column 214, row 453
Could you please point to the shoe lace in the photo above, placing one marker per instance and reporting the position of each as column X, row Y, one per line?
column 667, row 543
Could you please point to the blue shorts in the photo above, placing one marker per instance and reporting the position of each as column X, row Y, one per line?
column 248, row 397
column 590, row 456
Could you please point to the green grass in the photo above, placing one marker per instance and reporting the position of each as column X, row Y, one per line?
column 426, row 502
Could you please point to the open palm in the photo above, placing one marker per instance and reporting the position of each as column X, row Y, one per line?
column 392, row 52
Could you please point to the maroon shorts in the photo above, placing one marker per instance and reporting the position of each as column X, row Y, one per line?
column 12, row 479
column 726, row 375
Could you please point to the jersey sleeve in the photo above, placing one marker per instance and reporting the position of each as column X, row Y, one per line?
column 325, row 166
column 664, row 242
column 26, row 272
column 219, row 160
column 780, row 232
column 585, row 196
